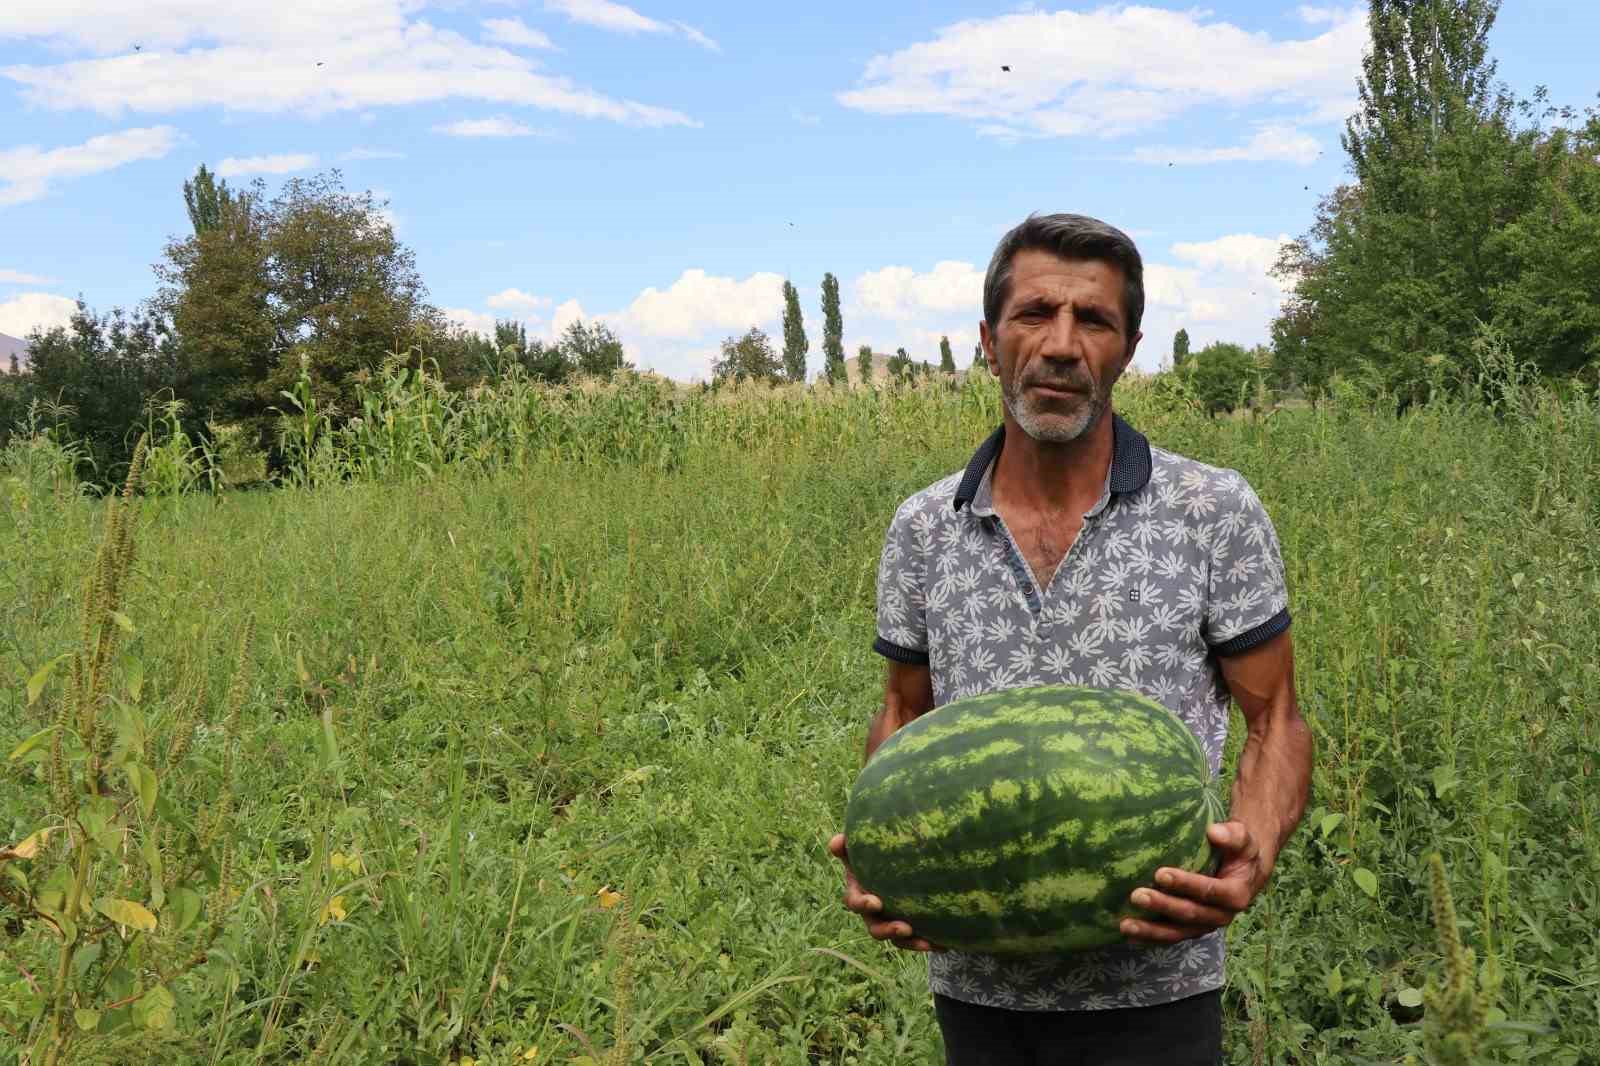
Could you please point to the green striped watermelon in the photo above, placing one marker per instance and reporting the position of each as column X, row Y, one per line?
column 1019, row 821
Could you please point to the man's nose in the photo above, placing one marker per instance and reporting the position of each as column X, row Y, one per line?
column 1062, row 340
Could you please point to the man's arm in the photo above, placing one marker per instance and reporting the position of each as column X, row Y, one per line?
column 907, row 695
column 1269, row 797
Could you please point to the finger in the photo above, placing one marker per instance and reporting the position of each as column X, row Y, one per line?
column 1226, row 893
column 889, row 930
column 1159, row 932
column 860, row 902
column 916, row 943
column 1234, row 837
column 1181, row 911
column 837, row 848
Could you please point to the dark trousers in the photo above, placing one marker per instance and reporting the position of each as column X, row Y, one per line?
column 1185, row 1032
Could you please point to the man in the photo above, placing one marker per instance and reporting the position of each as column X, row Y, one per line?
column 1071, row 551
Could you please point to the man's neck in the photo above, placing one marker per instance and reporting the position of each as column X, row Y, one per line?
column 1064, row 478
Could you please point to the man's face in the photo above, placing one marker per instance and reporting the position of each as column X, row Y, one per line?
column 1060, row 345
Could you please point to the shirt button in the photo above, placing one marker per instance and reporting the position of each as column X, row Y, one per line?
column 1027, row 590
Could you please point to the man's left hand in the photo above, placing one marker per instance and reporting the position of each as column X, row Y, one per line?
column 1186, row 905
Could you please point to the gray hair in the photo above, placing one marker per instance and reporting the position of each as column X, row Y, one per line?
column 1070, row 237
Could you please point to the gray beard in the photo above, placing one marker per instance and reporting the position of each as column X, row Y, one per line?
column 1049, row 427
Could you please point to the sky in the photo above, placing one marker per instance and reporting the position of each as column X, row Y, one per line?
column 663, row 166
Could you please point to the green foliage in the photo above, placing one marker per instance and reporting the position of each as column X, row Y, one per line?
column 1223, row 376
column 747, row 358
column 590, row 349
column 97, row 372
column 490, row 705
column 832, row 331
column 1466, row 209
column 864, row 363
column 795, row 344
column 108, row 895
column 210, row 202
column 977, row 355
column 900, row 367
column 1180, row 348
column 947, row 359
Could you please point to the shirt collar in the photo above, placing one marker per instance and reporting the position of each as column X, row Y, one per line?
column 1129, row 472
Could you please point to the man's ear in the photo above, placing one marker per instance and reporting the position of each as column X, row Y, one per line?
column 1127, row 359
column 987, row 341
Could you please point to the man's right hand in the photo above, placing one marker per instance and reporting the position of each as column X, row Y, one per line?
column 870, row 907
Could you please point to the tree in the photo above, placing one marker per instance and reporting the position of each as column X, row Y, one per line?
column 1402, row 265
column 1221, row 374
column 947, row 358
column 899, row 365
column 747, row 358
column 977, row 354
column 102, row 369
column 1180, row 348
column 209, row 201
column 832, row 331
column 864, row 363
column 592, row 349
column 795, row 345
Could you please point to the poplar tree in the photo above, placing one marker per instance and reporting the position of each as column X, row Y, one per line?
column 795, row 344
column 864, row 363
column 1180, row 348
column 832, row 330
column 947, row 358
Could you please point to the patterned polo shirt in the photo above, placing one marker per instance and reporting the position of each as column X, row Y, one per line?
column 1176, row 564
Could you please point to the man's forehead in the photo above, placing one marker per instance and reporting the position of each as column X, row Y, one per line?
column 1038, row 274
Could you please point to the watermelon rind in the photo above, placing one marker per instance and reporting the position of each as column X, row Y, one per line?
column 1019, row 821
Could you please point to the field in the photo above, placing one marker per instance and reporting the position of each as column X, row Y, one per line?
column 535, row 762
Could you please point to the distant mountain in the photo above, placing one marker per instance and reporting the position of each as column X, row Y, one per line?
column 10, row 346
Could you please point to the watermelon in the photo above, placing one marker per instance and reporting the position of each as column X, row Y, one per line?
column 1018, row 822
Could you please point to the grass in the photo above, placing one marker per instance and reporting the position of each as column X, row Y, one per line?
column 537, row 763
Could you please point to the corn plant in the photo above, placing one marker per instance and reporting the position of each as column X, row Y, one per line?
column 110, row 893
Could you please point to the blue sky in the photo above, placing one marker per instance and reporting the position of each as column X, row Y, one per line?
column 664, row 165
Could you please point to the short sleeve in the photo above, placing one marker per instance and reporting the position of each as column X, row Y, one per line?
column 902, row 583
column 1247, row 598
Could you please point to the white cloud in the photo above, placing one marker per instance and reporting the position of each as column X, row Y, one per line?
column 306, row 56
column 698, row 302
column 620, row 18
column 371, row 153
column 898, row 292
column 479, row 322
column 1320, row 16
column 1271, row 143
column 1104, row 72
column 498, row 126
column 516, row 33
column 239, row 166
column 17, row 277
column 1239, row 253
column 569, row 312
column 516, row 299
column 26, row 173
column 29, row 311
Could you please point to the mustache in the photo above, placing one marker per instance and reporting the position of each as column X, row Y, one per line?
column 1077, row 382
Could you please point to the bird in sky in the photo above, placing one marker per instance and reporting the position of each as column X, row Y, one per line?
column 1006, row 69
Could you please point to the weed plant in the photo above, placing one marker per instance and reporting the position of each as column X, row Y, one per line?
column 545, row 740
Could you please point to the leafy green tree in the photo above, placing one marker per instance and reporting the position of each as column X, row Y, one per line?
column 864, row 363
column 977, row 355
column 947, row 358
column 1180, row 348
column 216, row 291
column 1222, row 376
column 747, row 358
column 592, row 349
column 832, row 331
column 101, row 369
column 210, row 202
column 795, row 345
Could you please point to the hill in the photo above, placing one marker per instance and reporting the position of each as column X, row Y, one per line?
column 10, row 346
